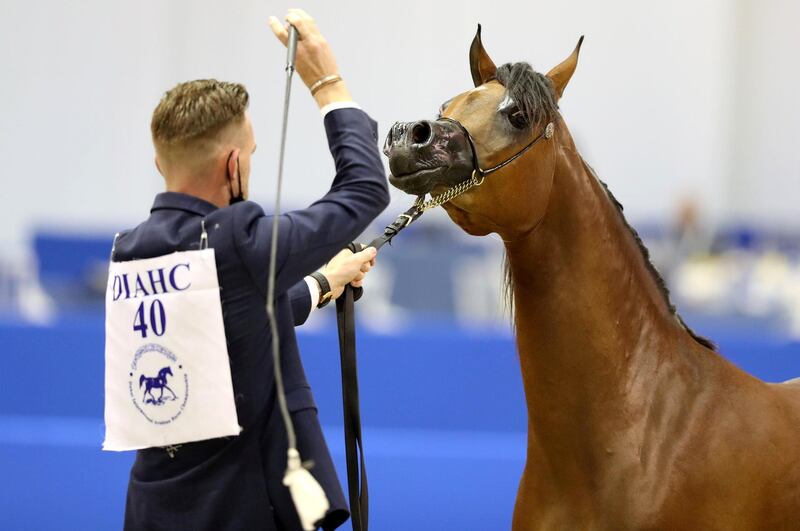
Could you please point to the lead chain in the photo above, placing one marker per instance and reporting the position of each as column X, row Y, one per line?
column 452, row 193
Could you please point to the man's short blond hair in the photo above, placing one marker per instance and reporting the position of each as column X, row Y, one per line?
column 196, row 111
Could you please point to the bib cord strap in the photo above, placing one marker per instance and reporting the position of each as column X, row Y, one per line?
column 203, row 235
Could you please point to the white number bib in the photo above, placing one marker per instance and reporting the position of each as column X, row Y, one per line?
column 168, row 378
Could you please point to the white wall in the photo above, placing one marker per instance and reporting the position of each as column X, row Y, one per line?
column 653, row 105
column 765, row 182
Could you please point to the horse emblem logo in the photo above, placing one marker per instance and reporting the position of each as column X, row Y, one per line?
column 158, row 384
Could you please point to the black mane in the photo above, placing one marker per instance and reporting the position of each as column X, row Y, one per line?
column 659, row 280
column 534, row 95
column 531, row 91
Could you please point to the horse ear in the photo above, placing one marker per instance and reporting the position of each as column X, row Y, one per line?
column 480, row 63
column 561, row 74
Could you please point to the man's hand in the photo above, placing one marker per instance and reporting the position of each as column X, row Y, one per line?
column 315, row 60
column 348, row 268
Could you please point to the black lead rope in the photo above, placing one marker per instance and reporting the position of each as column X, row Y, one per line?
column 403, row 220
column 357, row 487
column 354, row 449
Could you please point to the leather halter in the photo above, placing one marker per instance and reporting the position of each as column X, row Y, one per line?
column 476, row 179
column 479, row 173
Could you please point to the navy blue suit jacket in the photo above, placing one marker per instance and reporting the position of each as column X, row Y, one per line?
column 235, row 483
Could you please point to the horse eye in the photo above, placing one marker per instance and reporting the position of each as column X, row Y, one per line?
column 518, row 119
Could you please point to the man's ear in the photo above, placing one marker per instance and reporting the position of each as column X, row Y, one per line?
column 480, row 64
column 158, row 166
column 561, row 74
column 233, row 164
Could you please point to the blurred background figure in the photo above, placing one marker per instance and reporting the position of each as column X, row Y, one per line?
column 687, row 110
column 691, row 235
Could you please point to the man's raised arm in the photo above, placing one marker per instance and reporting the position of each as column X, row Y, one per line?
column 359, row 192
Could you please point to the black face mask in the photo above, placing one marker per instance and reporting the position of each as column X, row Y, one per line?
column 238, row 198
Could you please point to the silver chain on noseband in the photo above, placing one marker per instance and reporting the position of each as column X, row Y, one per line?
column 451, row 193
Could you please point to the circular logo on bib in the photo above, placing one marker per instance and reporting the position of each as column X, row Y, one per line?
column 158, row 384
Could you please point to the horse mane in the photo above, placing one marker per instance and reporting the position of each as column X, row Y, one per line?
column 533, row 93
column 659, row 280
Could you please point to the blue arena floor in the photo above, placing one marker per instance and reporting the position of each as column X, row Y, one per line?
column 442, row 408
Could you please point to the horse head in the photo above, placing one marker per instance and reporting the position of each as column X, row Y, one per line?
column 500, row 127
column 164, row 372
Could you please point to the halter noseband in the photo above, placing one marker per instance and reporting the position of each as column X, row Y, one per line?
column 478, row 174
column 547, row 134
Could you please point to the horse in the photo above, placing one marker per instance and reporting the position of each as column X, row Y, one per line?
column 157, row 382
column 634, row 420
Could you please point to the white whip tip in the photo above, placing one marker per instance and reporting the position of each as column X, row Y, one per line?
column 307, row 494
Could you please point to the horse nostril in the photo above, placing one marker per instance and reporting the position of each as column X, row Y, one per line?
column 421, row 133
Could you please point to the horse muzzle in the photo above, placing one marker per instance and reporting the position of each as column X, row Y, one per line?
column 426, row 154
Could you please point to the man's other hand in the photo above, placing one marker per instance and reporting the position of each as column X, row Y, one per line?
column 315, row 59
column 348, row 268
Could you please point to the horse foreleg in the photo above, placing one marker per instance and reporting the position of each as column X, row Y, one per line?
column 174, row 396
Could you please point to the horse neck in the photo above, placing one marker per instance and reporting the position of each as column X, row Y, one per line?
column 592, row 322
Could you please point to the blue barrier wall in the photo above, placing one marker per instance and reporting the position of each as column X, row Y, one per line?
column 443, row 411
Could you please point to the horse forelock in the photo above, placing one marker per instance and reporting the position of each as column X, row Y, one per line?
column 532, row 92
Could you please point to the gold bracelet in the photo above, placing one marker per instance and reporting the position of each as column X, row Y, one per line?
column 324, row 82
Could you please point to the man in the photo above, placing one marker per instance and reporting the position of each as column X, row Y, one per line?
column 203, row 142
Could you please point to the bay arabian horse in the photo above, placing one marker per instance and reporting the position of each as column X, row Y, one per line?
column 634, row 421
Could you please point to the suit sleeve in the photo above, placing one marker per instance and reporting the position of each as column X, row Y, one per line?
column 300, row 299
column 308, row 238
